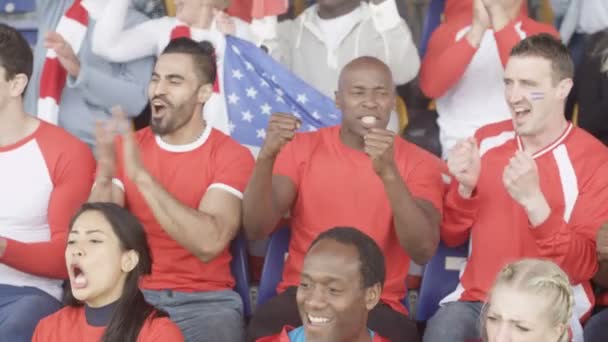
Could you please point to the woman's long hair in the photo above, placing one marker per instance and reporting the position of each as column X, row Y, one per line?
column 131, row 310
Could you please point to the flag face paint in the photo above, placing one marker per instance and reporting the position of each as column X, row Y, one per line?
column 537, row 96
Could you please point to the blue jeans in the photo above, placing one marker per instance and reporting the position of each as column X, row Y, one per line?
column 203, row 316
column 21, row 308
column 454, row 322
column 596, row 329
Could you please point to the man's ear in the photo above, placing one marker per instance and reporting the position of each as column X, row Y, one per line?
column 563, row 88
column 204, row 93
column 17, row 85
column 372, row 296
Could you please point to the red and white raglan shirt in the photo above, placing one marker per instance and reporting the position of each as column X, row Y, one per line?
column 337, row 186
column 44, row 179
column 573, row 174
column 467, row 82
column 187, row 172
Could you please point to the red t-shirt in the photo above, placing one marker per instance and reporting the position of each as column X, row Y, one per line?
column 213, row 161
column 337, row 186
column 44, row 179
column 70, row 324
column 573, row 175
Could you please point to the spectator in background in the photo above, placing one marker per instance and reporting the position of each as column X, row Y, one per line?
column 533, row 186
column 329, row 34
column 196, row 19
column 106, row 255
column 183, row 180
column 531, row 300
column 357, row 174
column 93, row 84
column 590, row 92
column 45, row 175
column 151, row 8
column 342, row 278
column 578, row 19
column 596, row 329
column 464, row 66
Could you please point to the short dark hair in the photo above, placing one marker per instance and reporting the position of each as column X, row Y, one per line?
column 15, row 53
column 546, row 46
column 371, row 259
column 202, row 53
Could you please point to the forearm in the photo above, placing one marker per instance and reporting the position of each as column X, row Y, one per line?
column 567, row 246
column 105, row 190
column 260, row 215
column 125, row 88
column 417, row 231
column 195, row 230
column 46, row 259
column 442, row 69
column 106, row 41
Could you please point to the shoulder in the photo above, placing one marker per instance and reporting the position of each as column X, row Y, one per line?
column 223, row 144
column 584, row 147
column 67, row 315
column 160, row 329
column 56, row 141
column 414, row 154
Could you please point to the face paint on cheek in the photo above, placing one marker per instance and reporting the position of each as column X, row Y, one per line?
column 536, row 96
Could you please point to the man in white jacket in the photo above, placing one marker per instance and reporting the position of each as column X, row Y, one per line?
column 328, row 35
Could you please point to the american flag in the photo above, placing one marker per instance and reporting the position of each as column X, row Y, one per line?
column 255, row 86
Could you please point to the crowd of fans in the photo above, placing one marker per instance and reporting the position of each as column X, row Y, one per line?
column 115, row 234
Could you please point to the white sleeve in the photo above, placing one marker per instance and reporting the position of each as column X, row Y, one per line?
column 116, row 45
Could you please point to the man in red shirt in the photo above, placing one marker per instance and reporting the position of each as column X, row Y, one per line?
column 45, row 176
column 183, row 180
column 357, row 174
column 342, row 278
column 533, row 186
column 464, row 64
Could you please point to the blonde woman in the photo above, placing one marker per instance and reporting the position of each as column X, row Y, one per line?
column 531, row 301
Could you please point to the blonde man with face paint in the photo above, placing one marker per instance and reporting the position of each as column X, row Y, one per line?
column 532, row 186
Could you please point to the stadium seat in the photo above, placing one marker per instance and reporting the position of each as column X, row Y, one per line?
column 240, row 270
column 431, row 22
column 402, row 113
column 441, row 276
column 17, row 6
column 272, row 271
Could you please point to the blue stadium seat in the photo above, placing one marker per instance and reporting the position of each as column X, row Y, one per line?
column 31, row 35
column 441, row 276
column 431, row 22
column 240, row 270
column 272, row 271
column 17, row 6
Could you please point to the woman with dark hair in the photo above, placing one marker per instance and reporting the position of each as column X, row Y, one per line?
column 106, row 255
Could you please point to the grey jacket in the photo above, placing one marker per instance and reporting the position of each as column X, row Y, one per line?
column 100, row 85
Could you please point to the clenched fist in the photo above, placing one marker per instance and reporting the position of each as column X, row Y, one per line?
column 281, row 129
column 378, row 145
column 520, row 178
column 464, row 163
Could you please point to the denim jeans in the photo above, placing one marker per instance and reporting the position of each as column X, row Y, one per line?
column 21, row 308
column 455, row 322
column 203, row 316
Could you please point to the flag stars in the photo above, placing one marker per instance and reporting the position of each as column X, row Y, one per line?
column 261, row 133
column 251, row 92
column 237, row 74
column 316, row 115
column 248, row 66
column 247, row 116
column 233, row 98
column 302, row 99
column 231, row 127
column 266, row 109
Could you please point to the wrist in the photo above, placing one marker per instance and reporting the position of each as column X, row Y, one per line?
column 475, row 35
column 389, row 174
column 3, row 243
column 142, row 178
column 537, row 209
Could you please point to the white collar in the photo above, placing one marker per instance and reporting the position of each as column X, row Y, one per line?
column 186, row 147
